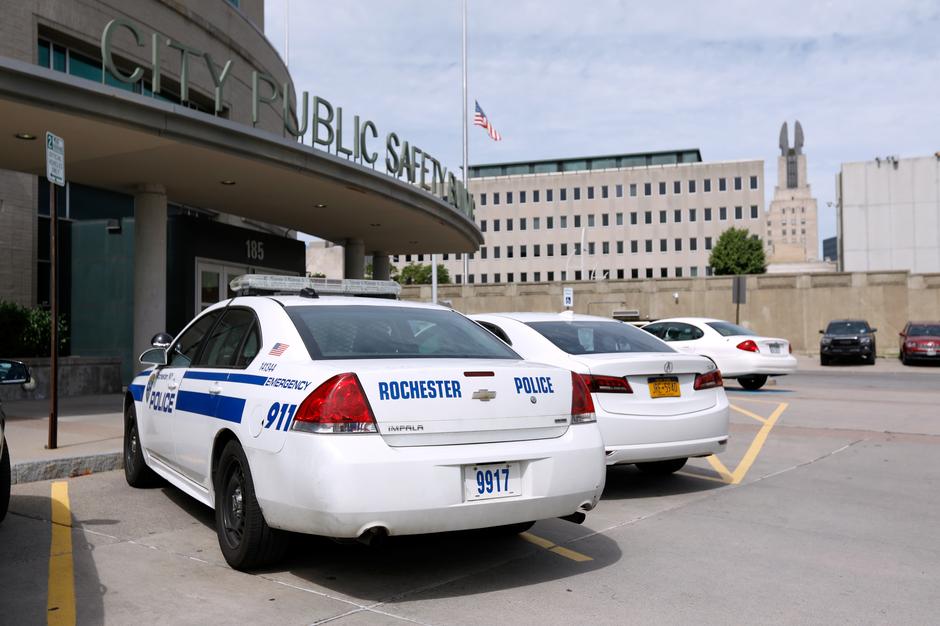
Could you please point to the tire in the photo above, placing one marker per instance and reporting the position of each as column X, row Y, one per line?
column 661, row 468
column 752, row 383
column 5, row 476
column 824, row 360
column 871, row 359
column 246, row 540
column 904, row 359
column 136, row 472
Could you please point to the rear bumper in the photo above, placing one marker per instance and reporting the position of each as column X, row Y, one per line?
column 342, row 485
column 751, row 364
column 640, row 438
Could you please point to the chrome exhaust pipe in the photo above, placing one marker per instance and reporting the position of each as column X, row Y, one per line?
column 375, row 536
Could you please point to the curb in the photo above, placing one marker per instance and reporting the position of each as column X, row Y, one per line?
column 32, row 471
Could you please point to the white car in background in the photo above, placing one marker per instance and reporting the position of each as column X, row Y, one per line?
column 655, row 407
column 738, row 351
column 356, row 417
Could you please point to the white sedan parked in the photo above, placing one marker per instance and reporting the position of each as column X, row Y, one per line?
column 655, row 407
column 739, row 352
column 357, row 417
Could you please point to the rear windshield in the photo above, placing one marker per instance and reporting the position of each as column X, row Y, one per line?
column 381, row 332
column 727, row 329
column 847, row 328
column 924, row 329
column 599, row 337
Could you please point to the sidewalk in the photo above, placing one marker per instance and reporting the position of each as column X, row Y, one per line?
column 90, row 437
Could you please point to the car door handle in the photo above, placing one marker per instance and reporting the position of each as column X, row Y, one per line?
column 215, row 390
column 171, row 385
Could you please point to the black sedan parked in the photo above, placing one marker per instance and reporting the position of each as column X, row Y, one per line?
column 847, row 338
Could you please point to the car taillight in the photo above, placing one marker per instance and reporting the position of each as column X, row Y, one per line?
column 708, row 381
column 582, row 406
column 748, row 345
column 337, row 406
column 606, row 384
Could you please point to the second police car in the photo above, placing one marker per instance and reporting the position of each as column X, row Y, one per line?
column 357, row 417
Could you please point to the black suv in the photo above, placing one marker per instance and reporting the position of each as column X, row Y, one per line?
column 847, row 338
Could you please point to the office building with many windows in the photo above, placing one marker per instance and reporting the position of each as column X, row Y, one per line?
column 647, row 215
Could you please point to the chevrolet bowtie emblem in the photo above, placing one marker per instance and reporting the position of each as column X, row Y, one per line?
column 484, row 394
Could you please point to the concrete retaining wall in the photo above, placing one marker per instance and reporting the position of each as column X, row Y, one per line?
column 792, row 306
column 78, row 376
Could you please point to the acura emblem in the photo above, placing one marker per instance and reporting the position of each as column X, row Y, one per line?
column 668, row 367
column 483, row 394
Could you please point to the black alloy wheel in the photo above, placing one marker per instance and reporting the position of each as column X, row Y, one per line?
column 246, row 540
column 136, row 472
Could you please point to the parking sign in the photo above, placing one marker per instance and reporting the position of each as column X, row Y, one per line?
column 55, row 160
column 568, row 297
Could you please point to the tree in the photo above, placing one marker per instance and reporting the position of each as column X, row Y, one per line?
column 737, row 251
column 420, row 274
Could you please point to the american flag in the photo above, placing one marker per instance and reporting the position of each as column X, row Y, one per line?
column 278, row 349
column 479, row 119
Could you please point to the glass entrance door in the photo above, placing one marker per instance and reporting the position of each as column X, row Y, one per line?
column 212, row 282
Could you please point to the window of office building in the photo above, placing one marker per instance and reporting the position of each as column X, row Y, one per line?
column 708, row 243
column 523, row 253
column 496, row 226
column 619, row 219
column 459, row 279
column 483, row 278
column 722, row 213
column 634, row 246
column 737, row 183
column 707, row 184
column 577, row 221
column 590, row 191
column 495, row 252
column 676, row 186
column 662, row 217
column 649, row 272
column 550, row 249
column 693, row 271
column 677, row 216
column 563, row 221
column 647, row 189
column 753, row 211
column 536, row 250
column 662, row 188
column 605, row 219
column 633, row 217
column 522, row 223
column 521, row 197
column 678, row 244
column 722, row 184
column 508, row 223
column 753, row 182
column 604, row 192
column 678, row 273
column 549, row 222
column 509, row 252
column 605, row 247
column 523, row 277
column 564, row 249
column 708, row 270
column 619, row 247
column 551, row 276
column 495, row 201
column 482, row 253
column 420, row 258
column 693, row 244
column 692, row 215
column 663, row 272
column 535, row 223
column 663, row 247
column 634, row 273
column 496, row 277
column 563, row 194
column 648, row 217
column 708, row 214
column 691, row 186
column 591, row 248
column 470, row 279
column 577, row 193
column 537, row 276
column 738, row 213
column 482, row 226
column 649, row 245
column 619, row 191
column 508, row 197
column 633, row 190
column 535, row 195
column 590, row 220
column 577, row 248
column 577, row 274
column 482, row 199
column 548, row 195
column 619, row 274
column 510, row 277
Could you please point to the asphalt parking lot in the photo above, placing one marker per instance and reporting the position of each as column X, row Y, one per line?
column 823, row 509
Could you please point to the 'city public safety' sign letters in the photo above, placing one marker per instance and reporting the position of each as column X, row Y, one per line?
column 569, row 297
column 55, row 160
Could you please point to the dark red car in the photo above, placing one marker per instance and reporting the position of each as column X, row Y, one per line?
column 920, row 341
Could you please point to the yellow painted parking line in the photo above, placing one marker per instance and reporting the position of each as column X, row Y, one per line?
column 552, row 547
column 744, row 411
column 60, row 605
column 719, row 467
column 741, row 470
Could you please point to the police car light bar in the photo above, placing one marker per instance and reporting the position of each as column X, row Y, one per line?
column 268, row 284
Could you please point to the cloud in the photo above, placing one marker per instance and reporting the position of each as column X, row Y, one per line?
column 563, row 79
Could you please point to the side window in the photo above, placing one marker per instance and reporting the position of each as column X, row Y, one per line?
column 225, row 340
column 655, row 329
column 187, row 346
column 250, row 348
column 687, row 332
column 496, row 330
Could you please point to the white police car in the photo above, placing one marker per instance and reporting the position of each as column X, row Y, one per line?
column 357, row 417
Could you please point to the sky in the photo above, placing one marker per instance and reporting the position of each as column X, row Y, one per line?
column 564, row 79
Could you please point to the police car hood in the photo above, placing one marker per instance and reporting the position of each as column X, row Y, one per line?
column 454, row 401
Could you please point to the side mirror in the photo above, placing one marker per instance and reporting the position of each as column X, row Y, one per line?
column 14, row 373
column 153, row 356
column 822, row 332
column 874, row 330
column 901, row 334
column 161, row 340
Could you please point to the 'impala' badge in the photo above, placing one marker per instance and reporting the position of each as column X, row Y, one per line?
column 484, row 394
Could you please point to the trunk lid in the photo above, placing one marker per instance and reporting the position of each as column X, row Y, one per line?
column 772, row 346
column 442, row 402
column 639, row 368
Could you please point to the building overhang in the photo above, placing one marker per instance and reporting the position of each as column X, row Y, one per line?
column 118, row 140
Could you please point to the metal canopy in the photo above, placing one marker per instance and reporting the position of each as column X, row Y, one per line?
column 118, row 140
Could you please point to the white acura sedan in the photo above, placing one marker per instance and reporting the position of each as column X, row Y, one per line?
column 738, row 351
column 356, row 417
column 656, row 407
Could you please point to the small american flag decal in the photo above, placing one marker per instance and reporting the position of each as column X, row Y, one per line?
column 278, row 349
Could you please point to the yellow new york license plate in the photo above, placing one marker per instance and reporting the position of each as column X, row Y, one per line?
column 667, row 387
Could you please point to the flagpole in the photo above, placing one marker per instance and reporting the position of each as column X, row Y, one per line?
column 463, row 93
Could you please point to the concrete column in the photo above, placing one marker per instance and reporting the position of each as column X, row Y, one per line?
column 355, row 259
column 150, row 221
column 381, row 267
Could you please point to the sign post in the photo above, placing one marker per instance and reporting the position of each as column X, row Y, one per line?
column 738, row 296
column 55, row 174
column 568, row 298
